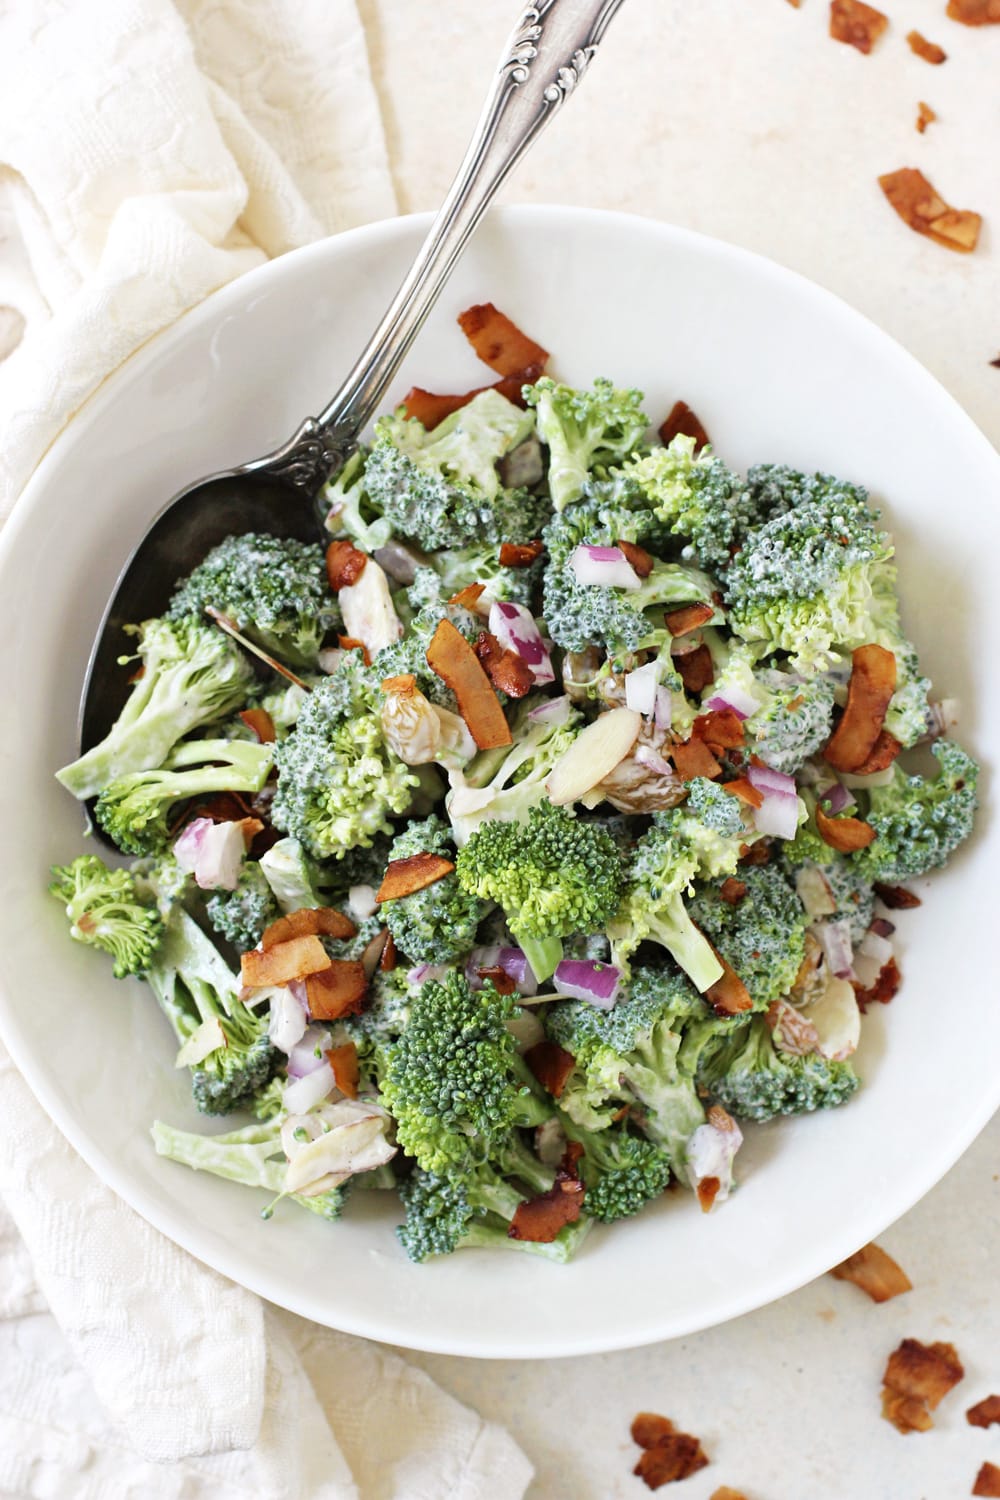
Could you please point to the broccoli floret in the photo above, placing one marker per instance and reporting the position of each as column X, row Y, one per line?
column 697, row 499
column 436, row 924
column 351, row 512
column 751, row 1078
column 621, row 1171
column 762, row 936
column 455, row 569
column 505, row 789
column 298, row 882
column 191, row 674
column 241, row 915
column 807, row 847
column 107, row 911
column 338, row 781
column 908, row 717
column 794, row 720
column 919, row 821
column 449, row 1212
column 441, row 488
column 274, row 588
column 584, row 430
column 554, row 875
column 814, row 577
column 853, row 894
column 199, row 993
column 716, row 808
column 135, row 810
column 409, row 655
column 454, row 1081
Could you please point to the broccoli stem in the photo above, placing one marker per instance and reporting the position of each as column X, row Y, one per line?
column 543, row 954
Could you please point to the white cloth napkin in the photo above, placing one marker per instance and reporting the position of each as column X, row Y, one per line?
column 149, row 153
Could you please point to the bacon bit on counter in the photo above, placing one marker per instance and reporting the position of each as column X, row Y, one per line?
column 896, row 897
column 405, row 876
column 345, row 564
column 387, row 958
column 884, row 988
column 450, row 656
column 984, row 1413
column 874, row 1272
column 687, row 618
column 919, row 206
column 540, row 1219
column 295, row 959
column 925, row 116
column 351, row 643
column 987, row 1484
column 308, row 921
column 260, row 724
column 995, row 363
column 857, row 24
column 551, row 1065
column 929, row 51
column 643, row 562
column 975, row 12
column 745, row 790
column 728, row 996
column 508, row 672
column 726, row 1492
column 696, row 669
column 916, row 1379
column 498, row 342
column 668, row 1455
column 346, row 1073
column 732, row 890
column 883, row 753
column 693, row 758
column 843, row 834
column 871, row 686
column 521, row 554
column 681, row 421
column 337, row 990
column 706, row 1192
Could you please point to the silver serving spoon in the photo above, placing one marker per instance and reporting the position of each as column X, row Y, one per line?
column 542, row 63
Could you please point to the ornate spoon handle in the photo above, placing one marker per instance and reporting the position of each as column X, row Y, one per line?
column 544, row 59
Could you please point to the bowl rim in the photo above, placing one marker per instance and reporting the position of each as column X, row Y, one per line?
column 370, row 1324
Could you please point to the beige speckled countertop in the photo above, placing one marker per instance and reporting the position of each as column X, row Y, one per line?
column 741, row 118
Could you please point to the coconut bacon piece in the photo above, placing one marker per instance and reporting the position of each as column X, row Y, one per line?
column 318, row 921
column 917, row 1377
column 450, row 656
column 869, row 692
column 429, row 408
column 346, row 1073
column 520, row 554
column 345, row 564
column 975, row 12
column 687, row 617
column 295, row 959
column 643, row 562
column 681, row 421
column 857, row 24
column 668, row 1455
column 987, row 1482
column 874, row 1272
column 843, row 834
column 404, row 876
column 728, row 996
column 508, row 672
column 929, row 51
column 984, row 1413
column 499, row 342
column 924, row 210
column 693, row 758
column 260, row 724
column 540, row 1219
column 551, row 1065
column 696, row 669
column 338, row 990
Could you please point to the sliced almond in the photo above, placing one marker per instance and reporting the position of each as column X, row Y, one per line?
column 593, row 755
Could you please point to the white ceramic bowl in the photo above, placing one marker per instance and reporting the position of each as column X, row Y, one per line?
column 778, row 370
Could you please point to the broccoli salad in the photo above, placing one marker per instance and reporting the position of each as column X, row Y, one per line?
column 516, row 844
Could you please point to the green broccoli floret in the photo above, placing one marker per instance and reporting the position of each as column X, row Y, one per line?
column 454, row 1081
column 716, row 808
column 455, row 569
column 441, row 488
column 338, row 781
column 919, row 821
column 853, row 894
column 621, row 1171
column 351, row 512
column 554, row 875
column 198, row 992
column 762, row 936
column 274, row 588
column 751, row 1078
column 908, row 716
column 436, row 924
column 794, row 719
column 697, row 499
column 107, row 911
column 815, row 577
column 296, row 880
column 241, row 915
column 449, row 1212
column 807, row 847
column 584, row 430
column 503, row 786
column 135, row 810
column 191, row 674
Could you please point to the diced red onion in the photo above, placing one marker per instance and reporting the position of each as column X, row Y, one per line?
column 874, row 946
column 297, row 989
column 555, row 711
column 304, row 1093
column 640, row 688
column 647, row 756
column 814, row 892
column 742, row 702
column 212, row 852
column 424, row 972
column 835, row 938
column 882, row 927
column 607, row 567
column 303, row 1058
column 837, row 797
column 514, row 627
column 766, row 780
column 511, row 960
column 664, row 710
column 287, row 1022
column 329, row 659
column 777, row 816
column 586, row 979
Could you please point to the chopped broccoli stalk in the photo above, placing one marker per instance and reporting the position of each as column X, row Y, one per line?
column 449, row 1212
column 338, row 781
column 696, row 499
column 191, row 674
column 135, row 810
column 753, row 1079
column 106, row 910
column 196, row 989
column 920, row 821
column 441, row 488
column 454, row 1081
column 621, row 1171
column 437, row 924
column 351, row 512
column 554, row 875
column 274, row 588
column 584, row 430
column 296, row 881
column 504, row 786
column 241, row 915
column 762, row 937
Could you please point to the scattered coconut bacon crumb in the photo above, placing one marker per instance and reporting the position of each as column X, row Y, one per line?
column 929, row 51
column 987, row 1481
column 975, row 12
column 925, row 116
column 681, row 421
column 919, row 206
column 725, row 1492
column 984, row 1413
column 874, row 1272
column 916, row 1379
column 882, row 990
column 669, row 1455
column 996, row 362
column 857, row 24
